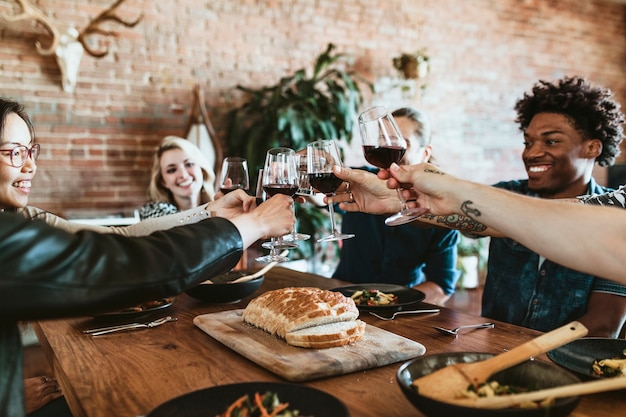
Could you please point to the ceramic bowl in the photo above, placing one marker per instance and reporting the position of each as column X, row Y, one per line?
column 215, row 400
column 223, row 290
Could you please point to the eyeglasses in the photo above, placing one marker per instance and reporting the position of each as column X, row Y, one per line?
column 19, row 154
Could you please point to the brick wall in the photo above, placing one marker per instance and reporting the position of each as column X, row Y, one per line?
column 98, row 141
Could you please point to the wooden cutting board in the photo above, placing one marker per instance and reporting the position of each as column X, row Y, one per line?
column 378, row 347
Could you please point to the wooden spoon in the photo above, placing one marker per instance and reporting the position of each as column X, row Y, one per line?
column 251, row 276
column 581, row 388
column 259, row 272
column 445, row 384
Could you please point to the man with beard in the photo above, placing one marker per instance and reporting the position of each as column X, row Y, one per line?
column 568, row 127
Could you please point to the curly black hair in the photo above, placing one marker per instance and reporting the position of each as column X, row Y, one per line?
column 592, row 110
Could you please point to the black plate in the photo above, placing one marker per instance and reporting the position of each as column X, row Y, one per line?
column 123, row 315
column 578, row 356
column 406, row 296
column 212, row 401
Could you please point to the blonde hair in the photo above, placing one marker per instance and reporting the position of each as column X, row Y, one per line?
column 156, row 190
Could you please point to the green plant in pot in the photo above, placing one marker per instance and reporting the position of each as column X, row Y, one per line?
column 472, row 260
column 306, row 106
column 412, row 65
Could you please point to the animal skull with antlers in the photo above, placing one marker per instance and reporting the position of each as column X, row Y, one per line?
column 68, row 46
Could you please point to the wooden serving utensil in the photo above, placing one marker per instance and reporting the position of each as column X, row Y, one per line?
column 259, row 272
column 250, row 277
column 445, row 384
column 581, row 388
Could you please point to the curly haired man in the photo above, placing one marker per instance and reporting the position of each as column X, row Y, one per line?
column 568, row 126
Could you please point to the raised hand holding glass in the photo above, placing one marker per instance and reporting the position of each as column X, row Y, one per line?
column 383, row 144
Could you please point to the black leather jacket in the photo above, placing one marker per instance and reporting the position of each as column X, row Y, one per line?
column 48, row 273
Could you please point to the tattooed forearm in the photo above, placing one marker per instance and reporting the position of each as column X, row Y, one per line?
column 455, row 221
column 468, row 211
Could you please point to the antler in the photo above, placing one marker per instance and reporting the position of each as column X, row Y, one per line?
column 93, row 28
column 31, row 12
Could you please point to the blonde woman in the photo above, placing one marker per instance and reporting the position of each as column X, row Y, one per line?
column 181, row 179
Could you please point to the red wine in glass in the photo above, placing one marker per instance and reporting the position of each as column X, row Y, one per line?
column 324, row 182
column 322, row 156
column 383, row 144
column 226, row 190
column 286, row 189
column 259, row 193
column 234, row 175
column 280, row 176
column 383, row 156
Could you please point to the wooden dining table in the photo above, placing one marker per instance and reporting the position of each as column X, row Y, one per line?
column 128, row 374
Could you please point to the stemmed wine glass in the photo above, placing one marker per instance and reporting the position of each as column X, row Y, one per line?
column 304, row 188
column 383, row 144
column 322, row 156
column 280, row 176
column 260, row 194
column 234, row 175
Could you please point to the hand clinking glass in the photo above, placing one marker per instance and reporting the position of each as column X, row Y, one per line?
column 383, row 144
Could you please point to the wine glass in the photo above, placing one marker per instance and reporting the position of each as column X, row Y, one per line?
column 260, row 194
column 280, row 176
column 383, row 144
column 304, row 188
column 234, row 175
column 322, row 156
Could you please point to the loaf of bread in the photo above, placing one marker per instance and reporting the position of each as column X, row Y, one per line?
column 306, row 316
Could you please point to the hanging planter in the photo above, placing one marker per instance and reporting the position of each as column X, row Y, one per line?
column 412, row 66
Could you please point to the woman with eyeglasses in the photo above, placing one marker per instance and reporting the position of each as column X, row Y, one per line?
column 18, row 156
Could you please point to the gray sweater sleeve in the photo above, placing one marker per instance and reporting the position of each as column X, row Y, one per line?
column 143, row 228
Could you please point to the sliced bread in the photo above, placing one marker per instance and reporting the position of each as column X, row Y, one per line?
column 327, row 335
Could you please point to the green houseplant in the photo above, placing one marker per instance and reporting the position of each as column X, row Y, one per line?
column 472, row 260
column 300, row 108
column 297, row 110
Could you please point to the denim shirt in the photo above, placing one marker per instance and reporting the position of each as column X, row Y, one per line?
column 404, row 255
column 518, row 291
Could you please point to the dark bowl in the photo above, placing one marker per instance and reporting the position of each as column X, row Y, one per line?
column 209, row 402
column 223, row 291
column 531, row 373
